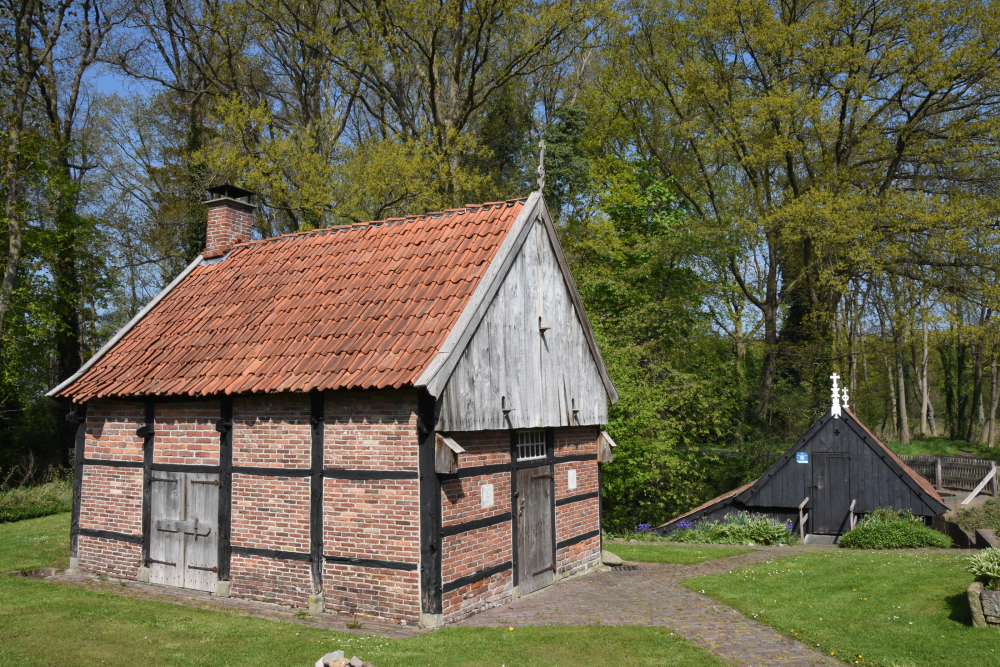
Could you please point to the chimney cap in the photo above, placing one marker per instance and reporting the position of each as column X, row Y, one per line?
column 231, row 191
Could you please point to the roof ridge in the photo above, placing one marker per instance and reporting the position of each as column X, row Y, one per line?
column 474, row 208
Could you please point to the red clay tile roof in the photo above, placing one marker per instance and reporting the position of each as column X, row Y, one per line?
column 359, row 306
column 922, row 481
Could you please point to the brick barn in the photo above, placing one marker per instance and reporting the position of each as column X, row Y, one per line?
column 398, row 418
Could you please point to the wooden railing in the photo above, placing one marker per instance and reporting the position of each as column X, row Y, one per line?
column 953, row 472
column 803, row 517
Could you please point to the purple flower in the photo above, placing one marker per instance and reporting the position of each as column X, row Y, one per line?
column 684, row 525
column 643, row 528
column 790, row 526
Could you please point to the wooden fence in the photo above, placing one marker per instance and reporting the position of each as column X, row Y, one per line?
column 953, row 472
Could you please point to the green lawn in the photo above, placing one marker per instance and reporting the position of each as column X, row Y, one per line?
column 680, row 554
column 45, row 623
column 943, row 447
column 884, row 609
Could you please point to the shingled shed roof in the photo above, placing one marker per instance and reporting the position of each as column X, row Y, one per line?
column 361, row 306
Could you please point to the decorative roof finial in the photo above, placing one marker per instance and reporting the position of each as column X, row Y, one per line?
column 541, row 164
column 835, row 409
column 843, row 397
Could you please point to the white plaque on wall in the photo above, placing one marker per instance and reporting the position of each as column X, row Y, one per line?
column 572, row 479
column 486, row 495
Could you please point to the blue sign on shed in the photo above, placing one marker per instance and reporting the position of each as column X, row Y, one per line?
column 802, row 457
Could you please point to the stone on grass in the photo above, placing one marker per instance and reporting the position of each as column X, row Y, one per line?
column 334, row 659
column 609, row 558
column 356, row 662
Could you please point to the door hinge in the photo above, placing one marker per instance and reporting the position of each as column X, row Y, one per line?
column 546, row 475
column 544, row 569
column 213, row 482
column 161, row 479
column 160, row 562
column 206, row 569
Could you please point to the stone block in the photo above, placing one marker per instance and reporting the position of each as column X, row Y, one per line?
column 222, row 589
column 431, row 621
column 142, row 575
column 609, row 558
column 317, row 604
column 975, row 605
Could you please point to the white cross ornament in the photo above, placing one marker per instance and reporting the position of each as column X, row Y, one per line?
column 835, row 409
column 843, row 397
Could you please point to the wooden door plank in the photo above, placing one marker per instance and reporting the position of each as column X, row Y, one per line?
column 166, row 549
column 202, row 551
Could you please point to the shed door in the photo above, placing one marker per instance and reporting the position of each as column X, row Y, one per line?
column 831, row 489
column 534, row 529
column 183, row 546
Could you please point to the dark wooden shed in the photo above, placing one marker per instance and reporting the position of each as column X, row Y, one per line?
column 834, row 473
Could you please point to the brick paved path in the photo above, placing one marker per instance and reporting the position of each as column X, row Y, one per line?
column 653, row 595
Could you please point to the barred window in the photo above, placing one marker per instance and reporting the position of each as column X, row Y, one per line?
column 530, row 445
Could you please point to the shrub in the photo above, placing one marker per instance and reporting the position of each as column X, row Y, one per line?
column 986, row 516
column 886, row 528
column 986, row 564
column 28, row 502
column 737, row 528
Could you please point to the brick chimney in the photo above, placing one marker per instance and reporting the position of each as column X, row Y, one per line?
column 230, row 219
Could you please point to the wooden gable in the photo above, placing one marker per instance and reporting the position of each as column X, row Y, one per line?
column 527, row 357
column 875, row 477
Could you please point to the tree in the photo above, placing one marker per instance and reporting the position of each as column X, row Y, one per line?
column 814, row 138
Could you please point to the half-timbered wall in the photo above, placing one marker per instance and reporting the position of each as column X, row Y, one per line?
column 542, row 376
column 371, row 497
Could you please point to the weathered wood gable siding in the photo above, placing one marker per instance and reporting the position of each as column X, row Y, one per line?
column 873, row 481
column 509, row 361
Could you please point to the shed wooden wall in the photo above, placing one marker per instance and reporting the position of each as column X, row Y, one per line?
column 873, row 482
column 542, row 376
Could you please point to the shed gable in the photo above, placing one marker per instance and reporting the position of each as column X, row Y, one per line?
column 532, row 353
column 877, row 478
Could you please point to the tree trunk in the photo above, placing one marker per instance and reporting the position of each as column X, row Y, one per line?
column 977, row 393
column 925, row 399
column 903, row 425
column 994, row 395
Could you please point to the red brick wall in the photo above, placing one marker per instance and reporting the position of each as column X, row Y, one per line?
column 472, row 551
column 111, row 496
column 371, row 430
column 272, row 431
column 185, row 433
column 379, row 592
column 270, row 580
column 271, row 512
column 110, row 558
column 583, row 516
column 372, row 519
column 112, row 499
column 111, row 427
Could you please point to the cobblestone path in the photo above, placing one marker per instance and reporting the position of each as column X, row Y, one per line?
column 652, row 594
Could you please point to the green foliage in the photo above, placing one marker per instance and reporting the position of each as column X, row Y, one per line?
column 28, row 502
column 985, row 516
column 737, row 528
column 886, row 528
column 986, row 564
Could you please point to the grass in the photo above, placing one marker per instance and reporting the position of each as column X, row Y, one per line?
column 46, row 623
column 874, row 609
column 678, row 554
column 28, row 502
column 941, row 446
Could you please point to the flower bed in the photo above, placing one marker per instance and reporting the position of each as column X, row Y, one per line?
column 735, row 528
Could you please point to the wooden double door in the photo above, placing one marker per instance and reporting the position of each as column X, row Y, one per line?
column 831, row 504
column 535, row 548
column 184, row 536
